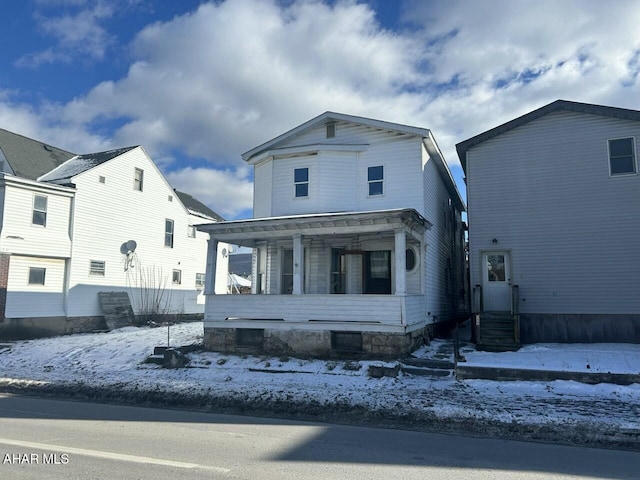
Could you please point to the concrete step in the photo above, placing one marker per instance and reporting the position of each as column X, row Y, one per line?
column 426, row 372
column 507, row 346
column 157, row 359
column 429, row 363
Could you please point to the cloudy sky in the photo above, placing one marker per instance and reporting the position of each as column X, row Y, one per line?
column 198, row 83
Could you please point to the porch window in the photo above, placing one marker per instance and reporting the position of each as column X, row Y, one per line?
column 375, row 177
column 338, row 271
column 377, row 274
column 622, row 158
column 301, row 181
column 286, row 281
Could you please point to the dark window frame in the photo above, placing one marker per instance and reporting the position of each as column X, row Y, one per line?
column 35, row 280
column 618, row 157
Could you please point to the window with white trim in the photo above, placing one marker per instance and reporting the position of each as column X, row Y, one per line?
column 622, row 156
column 39, row 216
column 200, row 280
column 176, row 278
column 331, row 130
column 96, row 267
column 301, row 181
column 36, row 275
column 168, row 233
column 191, row 231
column 375, row 178
column 138, row 178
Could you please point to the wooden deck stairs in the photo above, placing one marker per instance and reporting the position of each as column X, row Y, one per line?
column 498, row 331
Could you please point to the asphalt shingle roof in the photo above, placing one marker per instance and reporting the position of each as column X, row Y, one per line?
column 82, row 163
column 197, row 206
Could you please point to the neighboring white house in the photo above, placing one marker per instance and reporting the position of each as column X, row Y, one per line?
column 554, row 222
column 357, row 240
column 101, row 222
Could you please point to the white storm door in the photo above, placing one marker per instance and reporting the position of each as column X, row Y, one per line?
column 496, row 281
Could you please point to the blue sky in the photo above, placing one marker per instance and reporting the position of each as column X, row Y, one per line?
column 198, row 83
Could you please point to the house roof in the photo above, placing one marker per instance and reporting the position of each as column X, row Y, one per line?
column 558, row 105
column 29, row 158
column 329, row 117
column 81, row 163
column 196, row 207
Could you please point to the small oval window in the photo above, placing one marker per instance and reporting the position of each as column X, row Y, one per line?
column 410, row 259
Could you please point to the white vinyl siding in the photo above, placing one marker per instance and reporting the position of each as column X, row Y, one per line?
column 25, row 299
column 339, row 180
column 544, row 192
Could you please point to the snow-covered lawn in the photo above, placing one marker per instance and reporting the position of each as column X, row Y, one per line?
column 116, row 360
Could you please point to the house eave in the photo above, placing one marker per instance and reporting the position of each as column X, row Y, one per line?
column 341, row 223
column 305, row 150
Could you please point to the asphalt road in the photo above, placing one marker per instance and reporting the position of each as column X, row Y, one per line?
column 50, row 439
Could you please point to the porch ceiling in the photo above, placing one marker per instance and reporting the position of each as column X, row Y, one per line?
column 245, row 232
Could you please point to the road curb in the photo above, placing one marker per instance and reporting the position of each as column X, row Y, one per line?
column 558, row 431
column 469, row 372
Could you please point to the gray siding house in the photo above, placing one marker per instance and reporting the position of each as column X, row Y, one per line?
column 554, row 223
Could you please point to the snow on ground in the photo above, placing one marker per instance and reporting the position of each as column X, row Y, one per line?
column 116, row 360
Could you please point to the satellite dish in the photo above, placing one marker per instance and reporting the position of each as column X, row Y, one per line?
column 131, row 246
column 128, row 247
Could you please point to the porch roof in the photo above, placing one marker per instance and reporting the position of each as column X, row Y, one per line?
column 243, row 232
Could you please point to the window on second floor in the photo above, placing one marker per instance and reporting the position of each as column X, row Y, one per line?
column 375, row 178
column 168, row 233
column 301, row 181
column 622, row 158
column 191, row 232
column 331, row 130
column 138, row 178
column 39, row 216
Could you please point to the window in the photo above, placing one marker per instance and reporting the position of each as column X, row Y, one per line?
column 170, row 198
column 200, row 279
column 622, row 159
column 331, row 130
column 36, row 275
column 176, row 278
column 191, row 231
column 410, row 256
column 101, row 179
column 39, row 210
column 338, row 271
column 301, row 181
column 138, row 177
column 168, row 233
column 96, row 267
column 375, row 177
column 286, row 282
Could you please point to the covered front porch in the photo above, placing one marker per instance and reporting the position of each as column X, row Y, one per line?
column 320, row 279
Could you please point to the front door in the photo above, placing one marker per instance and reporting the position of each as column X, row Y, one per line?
column 496, row 281
column 377, row 272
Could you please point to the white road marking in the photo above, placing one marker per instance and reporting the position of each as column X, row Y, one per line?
column 110, row 455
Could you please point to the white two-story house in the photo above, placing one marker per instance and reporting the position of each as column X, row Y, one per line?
column 74, row 226
column 554, row 222
column 357, row 241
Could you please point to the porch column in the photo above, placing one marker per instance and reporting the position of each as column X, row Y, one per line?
column 401, row 261
column 212, row 259
column 298, row 264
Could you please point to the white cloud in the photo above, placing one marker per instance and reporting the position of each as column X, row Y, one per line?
column 230, row 75
column 229, row 193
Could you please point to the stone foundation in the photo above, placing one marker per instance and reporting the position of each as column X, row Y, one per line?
column 314, row 343
column 571, row 328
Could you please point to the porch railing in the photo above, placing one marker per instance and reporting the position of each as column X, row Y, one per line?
column 375, row 309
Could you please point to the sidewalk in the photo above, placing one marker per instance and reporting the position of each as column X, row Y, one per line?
column 615, row 363
column 110, row 367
